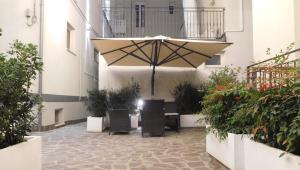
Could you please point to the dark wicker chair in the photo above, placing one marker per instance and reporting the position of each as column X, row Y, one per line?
column 172, row 117
column 119, row 121
column 153, row 118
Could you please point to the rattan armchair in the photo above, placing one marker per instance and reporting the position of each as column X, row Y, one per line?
column 119, row 121
column 153, row 118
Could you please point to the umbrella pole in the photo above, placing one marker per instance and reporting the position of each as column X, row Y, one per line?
column 152, row 80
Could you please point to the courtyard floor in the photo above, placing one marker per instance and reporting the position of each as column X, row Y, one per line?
column 72, row 148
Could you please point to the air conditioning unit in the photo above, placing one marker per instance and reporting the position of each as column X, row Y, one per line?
column 118, row 26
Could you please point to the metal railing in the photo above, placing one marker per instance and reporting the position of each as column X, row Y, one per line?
column 272, row 73
column 192, row 23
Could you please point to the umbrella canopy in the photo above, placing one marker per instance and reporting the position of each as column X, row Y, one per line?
column 157, row 51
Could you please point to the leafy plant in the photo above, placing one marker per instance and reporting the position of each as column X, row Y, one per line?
column 17, row 70
column 224, row 77
column 225, row 105
column 277, row 119
column 226, row 111
column 97, row 102
column 125, row 98
column 188, row 98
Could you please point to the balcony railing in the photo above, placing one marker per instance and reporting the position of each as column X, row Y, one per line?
column 192, row 23
column 275, row 72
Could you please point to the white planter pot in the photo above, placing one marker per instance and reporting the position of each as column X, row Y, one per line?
column 95, row 124
column 192, row 120
column 134, row 120
column 230, row 151
column 25, row 155
column 261, row 157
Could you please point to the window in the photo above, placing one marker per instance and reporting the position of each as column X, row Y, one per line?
column 214, row 61
column 96, row 56
column 171, row 6
column 58, row 117
column 140, row 15
column 171, row 9
column 70, row 38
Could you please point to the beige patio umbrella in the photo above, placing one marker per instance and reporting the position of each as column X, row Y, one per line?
column 157, row 51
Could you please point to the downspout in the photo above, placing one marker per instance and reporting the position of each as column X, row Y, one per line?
column 41, row 48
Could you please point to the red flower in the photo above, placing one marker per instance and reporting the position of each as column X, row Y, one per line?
column 220, row 87
column 265, row 86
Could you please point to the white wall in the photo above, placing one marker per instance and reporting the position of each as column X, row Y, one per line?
column 14, row 26
column 69, row 73
column 273, row 26
column 65, row 73
column 166, row 79
column 297, row 22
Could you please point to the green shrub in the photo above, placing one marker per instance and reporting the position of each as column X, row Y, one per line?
column 224, row 77
column 225, row 105
column 17, row 70
column 226, row 110
column 188, row 98
column 125, row 98
column 97, row 102
column 277, row 115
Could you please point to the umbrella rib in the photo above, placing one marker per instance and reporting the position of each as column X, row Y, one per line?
column 152, row 53
column 175, row 58
column 134, row 55
column 122, row 48
column 141, row 50
column 181, row 57
column 173, row 52
column 158, row 51
column 127, row 54
column 199, row 53
column 187, row 61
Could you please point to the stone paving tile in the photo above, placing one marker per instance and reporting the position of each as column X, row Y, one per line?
column 72, row 148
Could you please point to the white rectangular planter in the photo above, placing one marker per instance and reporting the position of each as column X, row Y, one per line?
column 191, row 120
column 230, row 151
column 95, row 124
column 25, row 155
column 134, row 120
column 261, row 157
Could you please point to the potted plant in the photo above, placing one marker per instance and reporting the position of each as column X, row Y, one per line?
column 97, row 104
column 276, row 132
column 126, row 98
column 188, row 100
column 225, row 110
column 229, row 125
column 17, row 70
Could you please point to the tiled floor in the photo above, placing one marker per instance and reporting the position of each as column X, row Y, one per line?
column 72, row 148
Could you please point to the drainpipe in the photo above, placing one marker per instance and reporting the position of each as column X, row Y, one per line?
column 41, row 46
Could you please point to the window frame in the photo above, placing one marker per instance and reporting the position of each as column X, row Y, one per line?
column 71, row 41
column 140, row 15
column 214, row 65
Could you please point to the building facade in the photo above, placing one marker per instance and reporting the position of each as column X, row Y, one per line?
column 275, row 26
column 219, row 20
column 62, row 31
column 251, row 25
